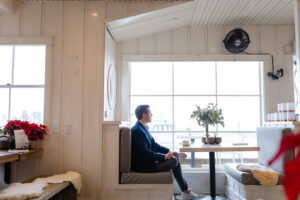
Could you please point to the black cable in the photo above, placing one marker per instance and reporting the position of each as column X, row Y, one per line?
column 263, row 54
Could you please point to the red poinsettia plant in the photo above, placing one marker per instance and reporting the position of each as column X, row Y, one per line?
column 32, row 130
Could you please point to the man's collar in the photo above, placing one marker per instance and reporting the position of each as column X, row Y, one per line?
column 145, row 125
column 142, row 123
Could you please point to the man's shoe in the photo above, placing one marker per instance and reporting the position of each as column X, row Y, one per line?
column 181, row 156
column 190, row 196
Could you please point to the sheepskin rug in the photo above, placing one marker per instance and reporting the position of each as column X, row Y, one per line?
column 73, row 177
column 22, row 191
column 264, row 175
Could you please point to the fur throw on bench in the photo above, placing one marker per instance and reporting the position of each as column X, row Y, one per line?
column 264, row 175
column 73, row 177
column 23, row 191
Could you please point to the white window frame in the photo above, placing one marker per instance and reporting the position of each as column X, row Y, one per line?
column 36, row 40
column 124, row 74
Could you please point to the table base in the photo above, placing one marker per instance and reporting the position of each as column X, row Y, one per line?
column 211, row 198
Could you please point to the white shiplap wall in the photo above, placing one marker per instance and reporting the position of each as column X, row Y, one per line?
column 77, row 67
column 109, row 82
column 76, row 86
column 199, row 40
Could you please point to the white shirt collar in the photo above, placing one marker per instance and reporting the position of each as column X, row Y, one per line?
column 145, row 125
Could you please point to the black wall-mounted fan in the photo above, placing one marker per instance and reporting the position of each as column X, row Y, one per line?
column 236, row 41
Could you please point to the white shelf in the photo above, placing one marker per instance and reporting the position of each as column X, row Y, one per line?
column 279, row 124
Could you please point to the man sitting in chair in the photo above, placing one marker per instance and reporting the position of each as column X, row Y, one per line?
column 148, row 156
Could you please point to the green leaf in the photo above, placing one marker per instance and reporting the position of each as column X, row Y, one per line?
column 210, row 115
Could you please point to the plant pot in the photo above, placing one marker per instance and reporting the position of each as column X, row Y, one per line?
column 33, row 144
column 204, row 140
column 4, row 143
column 218, row 140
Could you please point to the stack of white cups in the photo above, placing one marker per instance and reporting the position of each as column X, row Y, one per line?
column 286, row 112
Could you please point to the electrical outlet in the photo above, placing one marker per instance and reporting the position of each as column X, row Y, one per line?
column 68, row 128
column 55, row 129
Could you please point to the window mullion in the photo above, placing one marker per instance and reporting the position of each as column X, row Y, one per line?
column 262, row 114
column 11, row 83
column 22, row 86
column 216, row 82
column 13, row 66
column 9, row 103
column 173, row 108
column 218, row 159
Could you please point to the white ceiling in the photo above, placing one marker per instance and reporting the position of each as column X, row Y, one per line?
column 205, row 13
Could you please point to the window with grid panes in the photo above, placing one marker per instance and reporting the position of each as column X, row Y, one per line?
column 22, row 83
column 172, row 89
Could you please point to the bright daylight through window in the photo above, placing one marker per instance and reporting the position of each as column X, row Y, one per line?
column 22, row 82
column 172, row 89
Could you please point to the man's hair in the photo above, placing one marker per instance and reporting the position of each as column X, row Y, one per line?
column 140, row 110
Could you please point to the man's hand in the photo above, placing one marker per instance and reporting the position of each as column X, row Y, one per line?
column 168, row 155
column 175, row 154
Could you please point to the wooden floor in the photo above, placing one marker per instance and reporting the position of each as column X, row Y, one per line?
column 178, row 196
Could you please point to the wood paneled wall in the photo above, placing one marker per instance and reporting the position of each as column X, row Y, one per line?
column 76, row 84
column 197, row 40
column 77, row 67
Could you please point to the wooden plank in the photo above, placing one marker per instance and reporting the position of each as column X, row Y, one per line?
column 116, row 10
column 137, row 194
column 180, row 41
column 198, row 40
column 52, row 189
column 31, row 18
column 6, row 157
column 137, row 6
column 130, row 47
column 163, row 43
column 253, row 33
column 93, row 67
column 72, row 105
column 215, row 37
column 146, row 45
column 52, row 25
column 31, row 154
column 267, row 45
column 285, row 36
column 11, row 22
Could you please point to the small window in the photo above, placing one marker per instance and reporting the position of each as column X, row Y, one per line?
column 22, row 83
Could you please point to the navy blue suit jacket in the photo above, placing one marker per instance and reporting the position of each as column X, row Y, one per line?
column 145, row 152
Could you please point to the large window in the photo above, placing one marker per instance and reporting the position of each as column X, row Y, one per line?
column 22, row 82
column 172, row 89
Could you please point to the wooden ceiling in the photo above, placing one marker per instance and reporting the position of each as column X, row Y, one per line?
column 205, row 13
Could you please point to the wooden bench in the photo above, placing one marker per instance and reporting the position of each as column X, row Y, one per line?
column 7, row 157
column 111, row 188
column 59, row 191
column 56, row 191
column 242, row 185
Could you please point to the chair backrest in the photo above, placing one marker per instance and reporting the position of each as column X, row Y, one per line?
column 125, row 150
column 268, row 139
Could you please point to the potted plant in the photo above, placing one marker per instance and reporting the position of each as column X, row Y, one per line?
column 33, row 131
column 210, row 115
